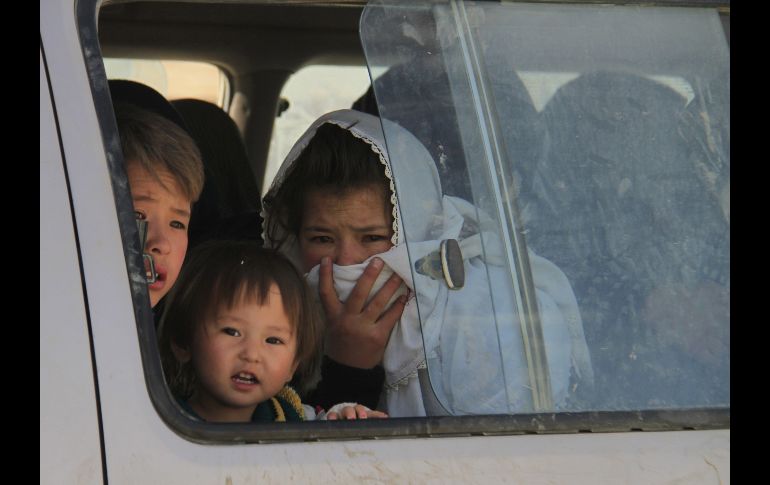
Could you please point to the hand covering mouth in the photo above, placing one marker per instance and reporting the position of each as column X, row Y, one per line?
column 245, row 378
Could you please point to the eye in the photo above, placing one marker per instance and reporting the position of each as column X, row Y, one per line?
column 274, row 340
column 321, row 239
column 140, row 216
column 375, row 238
column 231, row 332
column 178, row 225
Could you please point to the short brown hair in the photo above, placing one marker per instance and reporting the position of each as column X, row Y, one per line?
column 157, row 143
column 335, row 160
column 221, row 274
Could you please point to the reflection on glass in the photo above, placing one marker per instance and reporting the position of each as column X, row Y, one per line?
column 591, row 144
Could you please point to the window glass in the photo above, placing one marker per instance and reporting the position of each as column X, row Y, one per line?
column 583, row 155
column 174, row 79
column 311, row 92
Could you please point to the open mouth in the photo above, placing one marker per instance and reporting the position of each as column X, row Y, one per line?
column 160, row 278
column 245, row 378
column 153, row 271
column 160, row 272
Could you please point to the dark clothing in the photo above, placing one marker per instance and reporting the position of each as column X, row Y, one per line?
column 341, row 383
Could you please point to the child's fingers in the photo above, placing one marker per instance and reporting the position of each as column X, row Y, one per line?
column 348, row 412
column 377, row 304
column 326, row 291
column 377, row 414
column 358, row 411
column 364, row 285
column 362, row 412
column 391, row 316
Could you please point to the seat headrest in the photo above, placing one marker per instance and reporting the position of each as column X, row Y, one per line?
column 145, row 97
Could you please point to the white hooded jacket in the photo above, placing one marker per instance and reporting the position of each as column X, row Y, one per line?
column 471, row 347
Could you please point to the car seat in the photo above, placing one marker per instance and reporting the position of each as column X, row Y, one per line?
column 618, row 206
column 230, row 203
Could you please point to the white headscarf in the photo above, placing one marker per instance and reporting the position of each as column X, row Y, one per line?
column 455, row 334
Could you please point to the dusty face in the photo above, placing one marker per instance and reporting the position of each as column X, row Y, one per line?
column 242, row 357
column 167, row 210
column 348, row 228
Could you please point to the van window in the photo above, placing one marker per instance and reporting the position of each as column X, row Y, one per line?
column 585, row 150
column 174, row 79
column 311, row 92
column 593, row 144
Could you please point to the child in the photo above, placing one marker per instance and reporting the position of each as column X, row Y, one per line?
column 237, row 327
column 165, row 176
column 340, row 175
column 333, row 210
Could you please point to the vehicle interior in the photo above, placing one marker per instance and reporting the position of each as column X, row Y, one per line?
column 259, row 45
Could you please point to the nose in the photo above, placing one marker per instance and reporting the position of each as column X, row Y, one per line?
column 157, row 239
column 349, row 253
column 249, row 350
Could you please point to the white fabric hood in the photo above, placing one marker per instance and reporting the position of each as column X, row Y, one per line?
column 460, row 337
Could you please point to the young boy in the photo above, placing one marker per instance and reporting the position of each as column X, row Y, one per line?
column 165, row 176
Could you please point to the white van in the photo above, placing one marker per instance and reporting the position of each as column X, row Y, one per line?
column 594, row 135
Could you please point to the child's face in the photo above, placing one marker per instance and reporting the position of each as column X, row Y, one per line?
column 242, row 357
column 348, row 227
column 167, row 210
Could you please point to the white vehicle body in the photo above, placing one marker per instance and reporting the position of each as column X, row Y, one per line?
column 99, row 424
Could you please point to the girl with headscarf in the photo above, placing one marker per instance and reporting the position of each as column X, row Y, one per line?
column 335, row 211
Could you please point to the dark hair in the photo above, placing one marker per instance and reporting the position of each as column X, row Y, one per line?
column 221, row 274
column 335, row 160
column 157, row 143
